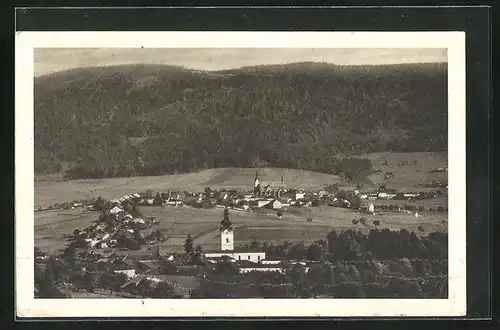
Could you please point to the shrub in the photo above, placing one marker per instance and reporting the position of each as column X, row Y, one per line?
column 376, row 223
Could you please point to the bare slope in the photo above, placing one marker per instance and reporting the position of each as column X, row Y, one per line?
column 410, row 169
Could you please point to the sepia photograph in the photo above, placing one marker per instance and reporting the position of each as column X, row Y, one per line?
column 237, row 169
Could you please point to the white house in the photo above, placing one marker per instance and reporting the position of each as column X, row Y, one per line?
column 237, row 255
column 411, row 195
column 300, row 195
column 278, row 205
column 128, row 272
column 262, row 203
column 115, row 210
column 271, row 262
column 243, row 270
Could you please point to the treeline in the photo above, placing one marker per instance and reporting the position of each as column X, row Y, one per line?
column 373, row 279
column 148, row 120
column 354, row 245
column 382, row 264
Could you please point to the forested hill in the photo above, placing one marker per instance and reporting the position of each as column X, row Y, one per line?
column 150, row 119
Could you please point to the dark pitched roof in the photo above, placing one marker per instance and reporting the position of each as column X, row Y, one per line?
column 226, row 223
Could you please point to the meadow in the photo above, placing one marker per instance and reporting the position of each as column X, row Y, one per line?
column 203, row 225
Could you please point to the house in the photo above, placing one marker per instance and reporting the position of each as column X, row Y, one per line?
column 173, row 202
column 300, row 195
column 145, row 233
column 115, row 210
column 263, row 202
column 148, row 267
column 91, row 242
column 363, row 196
column 278, row 205
column 411, row 195
column 129, row 272
column 101, row 245
column 271, row 262
column 262, row 268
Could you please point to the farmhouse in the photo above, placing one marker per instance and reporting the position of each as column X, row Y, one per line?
column 115, row 210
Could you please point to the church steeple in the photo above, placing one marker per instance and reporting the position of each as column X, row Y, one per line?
column 226, row 233
column 256, row 185
column 226, row 224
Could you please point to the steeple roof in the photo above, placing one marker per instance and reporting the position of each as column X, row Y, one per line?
column 226, row 223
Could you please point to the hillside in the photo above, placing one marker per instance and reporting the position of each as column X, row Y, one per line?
column 153, row 120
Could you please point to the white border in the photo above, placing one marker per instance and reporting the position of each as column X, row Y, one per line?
column 27, row 306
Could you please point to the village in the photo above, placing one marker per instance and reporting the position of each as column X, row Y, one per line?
column 110, row 245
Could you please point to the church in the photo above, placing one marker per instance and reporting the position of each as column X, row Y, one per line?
column 270, row 188
column 227, row 244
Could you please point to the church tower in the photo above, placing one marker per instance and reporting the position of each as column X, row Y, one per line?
column 226, row 233
column 256, row 185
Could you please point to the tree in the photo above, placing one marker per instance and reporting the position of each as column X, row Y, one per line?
column 100, row 204
column 197, row 255
column 129, row 243
column 37, row 252
column 315, row 279
column 226, row 267
column 105, row 281
column 88, row 282
column 254, row 244
column 46, row 283
column 155, row 252
column 299, row 280
column 297, row 251
column 157, row 199
column 167, row 267
column 189, row 244
column 136, row 212
column 163, row 290
column 144, row 288
column 315, row 252
column 117, row 280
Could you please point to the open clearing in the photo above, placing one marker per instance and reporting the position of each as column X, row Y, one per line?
column 410, row 169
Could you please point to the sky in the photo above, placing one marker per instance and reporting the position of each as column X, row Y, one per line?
column 49, row 60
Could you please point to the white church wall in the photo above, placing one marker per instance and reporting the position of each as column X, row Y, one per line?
column 227, row 240
column 248, row 256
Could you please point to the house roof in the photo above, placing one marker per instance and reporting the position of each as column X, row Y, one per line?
column 241, row 249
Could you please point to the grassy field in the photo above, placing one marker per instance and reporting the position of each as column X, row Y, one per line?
column 202, row 224
column 410, row 169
